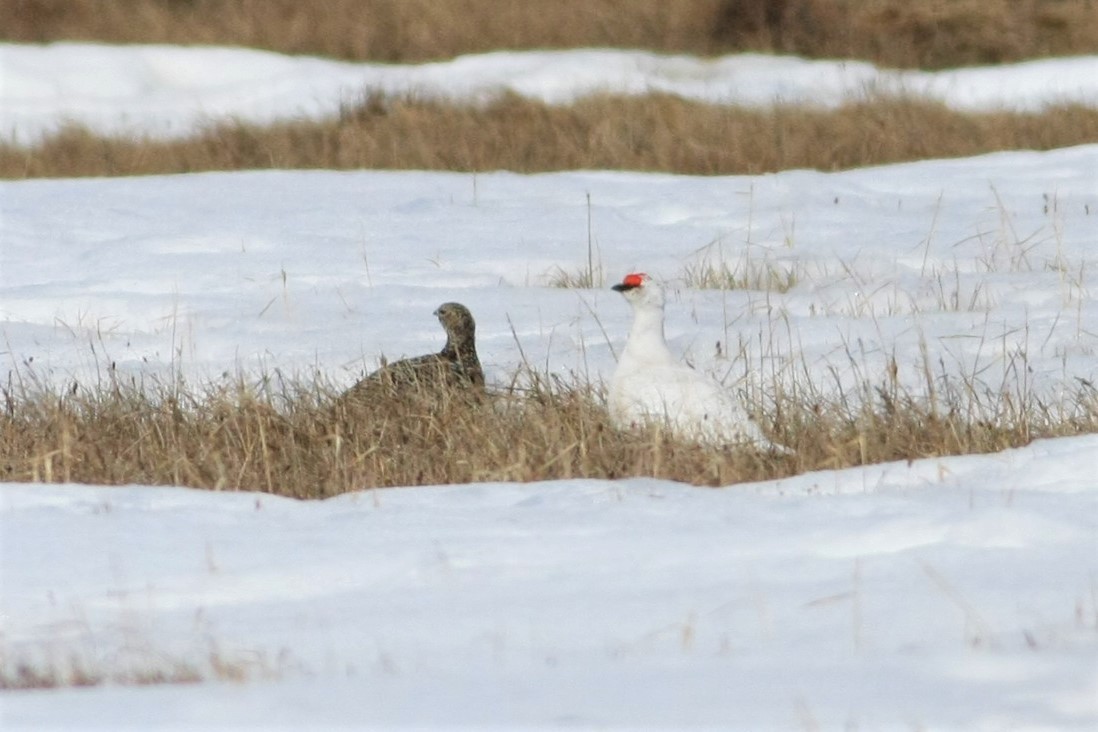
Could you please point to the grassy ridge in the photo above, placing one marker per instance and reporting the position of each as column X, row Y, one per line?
column 651, row 133
column 296, row 438
column 900, row 33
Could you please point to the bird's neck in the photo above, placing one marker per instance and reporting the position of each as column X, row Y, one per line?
column 646, row 342
column 461, row 350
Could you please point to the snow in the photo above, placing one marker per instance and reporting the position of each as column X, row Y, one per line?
column 168, row 91
column 953, row 593
column 985, row 265
column 946, row 593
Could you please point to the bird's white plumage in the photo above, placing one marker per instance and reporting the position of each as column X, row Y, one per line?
column 651, row 385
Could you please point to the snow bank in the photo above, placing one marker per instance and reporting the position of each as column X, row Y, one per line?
column 950, row 593
column 169, row 91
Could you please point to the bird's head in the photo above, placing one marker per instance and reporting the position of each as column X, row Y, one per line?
column 640, row 289
column 455, row 318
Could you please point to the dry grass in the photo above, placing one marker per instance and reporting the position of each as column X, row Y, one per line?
column 26, row 675
column 712, row 270
column 924, row 33
column 651, row 133
column 293, row 438
column 140, row 663
column 654, row 133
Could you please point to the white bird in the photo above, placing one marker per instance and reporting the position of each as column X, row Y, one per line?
column 651, row 385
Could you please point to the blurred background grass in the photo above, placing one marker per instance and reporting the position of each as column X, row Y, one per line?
column 899, row 33
column 652, row 133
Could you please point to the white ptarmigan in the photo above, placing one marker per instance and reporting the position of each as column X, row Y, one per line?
column 651, row 385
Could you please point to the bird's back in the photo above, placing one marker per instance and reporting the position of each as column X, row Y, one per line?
column 433, row 375
column 690, row 404
column 455, row 368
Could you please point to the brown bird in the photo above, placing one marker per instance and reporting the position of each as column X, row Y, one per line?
column 455, row 367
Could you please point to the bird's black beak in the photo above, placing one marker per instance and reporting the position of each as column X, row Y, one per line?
column 622, row 287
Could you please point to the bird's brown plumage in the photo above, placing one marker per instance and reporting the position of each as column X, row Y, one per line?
column 455, row 367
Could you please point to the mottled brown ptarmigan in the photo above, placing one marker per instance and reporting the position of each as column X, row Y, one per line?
column 454, row 368
column 651, row 385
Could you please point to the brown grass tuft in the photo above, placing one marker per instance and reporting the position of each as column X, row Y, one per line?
column 927, row 34
column 650, row 133
column 27, row 675
column 139, row 664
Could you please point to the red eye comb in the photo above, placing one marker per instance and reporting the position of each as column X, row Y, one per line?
column 634, row 280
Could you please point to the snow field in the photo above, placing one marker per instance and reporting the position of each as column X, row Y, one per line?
column 981, row 268
column 949, row 593
column 955, row 592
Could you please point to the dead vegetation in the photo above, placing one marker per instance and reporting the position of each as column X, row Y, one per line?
column 899, row 33
column 650, row 133
column 26, row 675
column 140, row 663
column 294, row 438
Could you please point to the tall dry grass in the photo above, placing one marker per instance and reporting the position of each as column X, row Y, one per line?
column 296, row 438
column 923, row 33
column 650, row 133
column 140, row 663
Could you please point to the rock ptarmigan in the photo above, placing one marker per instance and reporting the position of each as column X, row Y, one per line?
column 455, row 367
column 651, row 385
